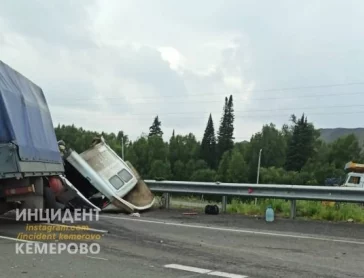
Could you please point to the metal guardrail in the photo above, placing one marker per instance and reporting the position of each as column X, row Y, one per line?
column 274, row 191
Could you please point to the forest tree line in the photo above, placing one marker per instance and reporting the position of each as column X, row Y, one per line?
column 292, row 154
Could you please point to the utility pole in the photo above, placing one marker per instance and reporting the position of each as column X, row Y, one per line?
column 258, row 171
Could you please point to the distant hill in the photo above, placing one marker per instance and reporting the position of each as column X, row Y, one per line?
column 331, row 134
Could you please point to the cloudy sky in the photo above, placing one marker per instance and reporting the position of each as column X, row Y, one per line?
column 114, row 65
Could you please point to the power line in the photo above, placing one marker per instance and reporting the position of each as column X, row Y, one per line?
column 251, row 91
column 212, row 101
column 238, row 116
column 250, row 111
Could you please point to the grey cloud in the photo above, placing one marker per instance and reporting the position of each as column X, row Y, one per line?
column 143, row 67
column 146, row 66
column 61, row 22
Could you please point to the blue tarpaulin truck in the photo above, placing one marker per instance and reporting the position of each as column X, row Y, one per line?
column 29, row 153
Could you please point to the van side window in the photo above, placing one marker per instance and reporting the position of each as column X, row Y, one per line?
column 125, row 175
column 354, row 180
column 116, row 182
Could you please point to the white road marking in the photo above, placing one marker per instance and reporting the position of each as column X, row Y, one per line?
column 97, row 258
column 20, row 240
column 225, row 274
column 236, row 230
column 7, row 218
column 188, row 268
column 204, row 271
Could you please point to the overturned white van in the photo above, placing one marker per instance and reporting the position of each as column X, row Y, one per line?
column 106, row 180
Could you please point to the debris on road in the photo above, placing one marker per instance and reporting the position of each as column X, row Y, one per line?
column 189, row 213
column 212, row 209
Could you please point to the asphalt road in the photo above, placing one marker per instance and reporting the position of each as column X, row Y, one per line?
column 170, row 244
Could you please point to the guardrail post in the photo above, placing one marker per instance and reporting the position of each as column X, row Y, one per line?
column 168, row 199
column 223, row 204
column 293, row 209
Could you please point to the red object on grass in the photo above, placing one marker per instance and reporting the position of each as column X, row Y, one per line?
column 189, row 213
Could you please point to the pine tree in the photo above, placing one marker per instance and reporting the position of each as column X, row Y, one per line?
column 226, row 130
column 301, row 144
column 208, row 144
column 221, row 132
column 173, row 149
column 230, row 123
column 155, row 128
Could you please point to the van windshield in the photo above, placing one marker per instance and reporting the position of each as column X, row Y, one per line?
column 352, row 179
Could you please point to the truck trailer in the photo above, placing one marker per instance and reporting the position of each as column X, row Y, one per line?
column 30, row 160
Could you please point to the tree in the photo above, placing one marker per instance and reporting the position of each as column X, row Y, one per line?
column 160, row 170
column 187, row 147
column 179, row 171
column 301, row 145
column 343, row 150
column 200, row 165
column 75, row 138
column 140, row 148
column 273, row 145
column 222, row 172
column 155, row 128
column 173, row 150
column 157, row 149
column 321, row 171
column 206, row 175
column 230, row 122
column 243, row 147
column 226, row 129
column 190, row 168
column 131, row 156
column 208, row 144
column 291, row 155
column 274, row 175
column 237, row 169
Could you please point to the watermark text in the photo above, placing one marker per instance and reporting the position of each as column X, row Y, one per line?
column 32, row 248
column 51, row 215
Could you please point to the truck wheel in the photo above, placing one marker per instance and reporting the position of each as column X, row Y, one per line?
column 50, row 199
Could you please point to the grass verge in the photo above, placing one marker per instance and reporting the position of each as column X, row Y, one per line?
column 305, row 209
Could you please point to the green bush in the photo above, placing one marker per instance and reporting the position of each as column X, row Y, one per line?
column 305, row 209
